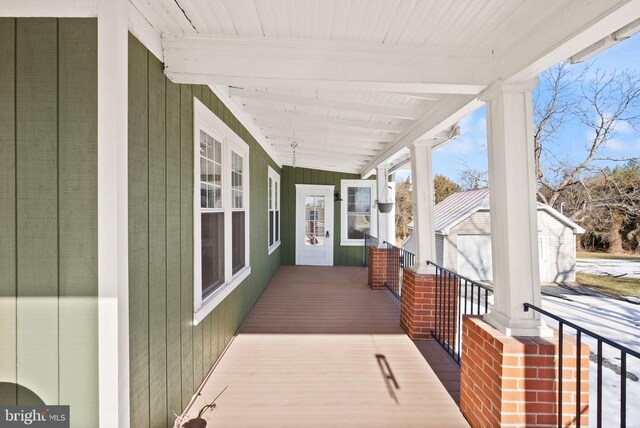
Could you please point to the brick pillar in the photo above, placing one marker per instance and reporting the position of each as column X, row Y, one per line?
column 512, row 381
column 417, row 307
column 377, row 267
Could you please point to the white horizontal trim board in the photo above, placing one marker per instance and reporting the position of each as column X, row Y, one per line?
column 269, row 97
column 49, row 8
column 333, row 140
column 321, row 64
column 280, row 125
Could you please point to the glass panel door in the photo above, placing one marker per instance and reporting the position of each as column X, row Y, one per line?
column 314, row 227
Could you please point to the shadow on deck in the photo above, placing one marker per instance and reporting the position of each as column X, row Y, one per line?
column 320, row 349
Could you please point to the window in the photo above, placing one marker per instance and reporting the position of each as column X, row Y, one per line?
column 273, row 191
column 358, row 216
column 221, row 253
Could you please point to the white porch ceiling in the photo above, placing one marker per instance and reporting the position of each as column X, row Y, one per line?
column 353, row 82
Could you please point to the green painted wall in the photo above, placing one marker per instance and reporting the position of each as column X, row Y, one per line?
column 48, row 214
column 342, row 256
column 169, row 356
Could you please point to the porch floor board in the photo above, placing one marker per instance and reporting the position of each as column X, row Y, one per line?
column 312, row 354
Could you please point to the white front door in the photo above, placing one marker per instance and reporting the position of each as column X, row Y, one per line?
column 314, row 225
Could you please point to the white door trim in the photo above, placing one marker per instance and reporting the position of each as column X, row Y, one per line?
column 301, row 189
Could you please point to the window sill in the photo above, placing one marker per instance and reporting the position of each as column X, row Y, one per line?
column 274, row 247
column 210, row 302
column 353, row 243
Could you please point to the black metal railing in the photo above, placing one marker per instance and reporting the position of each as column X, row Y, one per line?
column 456, row 296
column 612, row 405
column 369, row 241
column 397, row 260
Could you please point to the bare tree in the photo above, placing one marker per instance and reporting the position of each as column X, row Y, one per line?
column 472, row 179
column 602, row 103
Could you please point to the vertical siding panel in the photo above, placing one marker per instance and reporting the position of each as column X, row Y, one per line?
column 313, row 177
column 173, row 189
column 157, row 247
column 7, row 210
column 78, row 217
column 138, row 233
column 37, row 205
column 186, row 241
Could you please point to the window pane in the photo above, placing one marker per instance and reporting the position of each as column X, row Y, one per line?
column 270, row 192
column 236, row 180
column 212, row 251
column 238, row 242
column 277, row 226
column 271, row 228
column 358, row 225
column 359, row 200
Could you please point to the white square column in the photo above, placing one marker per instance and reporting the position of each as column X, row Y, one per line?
column 382, row 178
column 514, row 229
column 423, row 201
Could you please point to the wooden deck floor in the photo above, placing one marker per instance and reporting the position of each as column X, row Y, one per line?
column 320, row 349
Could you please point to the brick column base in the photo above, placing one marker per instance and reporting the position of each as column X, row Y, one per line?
column 377, row 266
column 512, row 381
column 417, row 308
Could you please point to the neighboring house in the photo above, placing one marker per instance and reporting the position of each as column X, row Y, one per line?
column 463, row 238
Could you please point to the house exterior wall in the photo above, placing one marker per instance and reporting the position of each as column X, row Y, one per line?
column 169, row 356
column 562, row 248
column 342, row 255
column 48, row 214
column 562, row 242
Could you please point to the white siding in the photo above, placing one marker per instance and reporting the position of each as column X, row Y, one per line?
column 562, row 243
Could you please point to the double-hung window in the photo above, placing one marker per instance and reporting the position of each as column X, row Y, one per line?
column 357, row 212
column 221, row 211
column 273, row 192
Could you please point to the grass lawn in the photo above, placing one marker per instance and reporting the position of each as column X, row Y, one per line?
column 622, row 286
column 600, row 255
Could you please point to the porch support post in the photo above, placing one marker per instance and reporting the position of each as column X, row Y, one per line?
column 514, row 231
column 113, row 251
column 382, row 179
column 423, row 200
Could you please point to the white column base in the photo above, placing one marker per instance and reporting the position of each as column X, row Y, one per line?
column 522, row 327
column 423, row 269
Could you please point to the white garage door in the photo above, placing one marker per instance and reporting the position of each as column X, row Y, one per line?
column 474, row 256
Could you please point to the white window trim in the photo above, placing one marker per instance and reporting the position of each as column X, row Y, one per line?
column 273, row 175
column 205, row 119
column 344, row 185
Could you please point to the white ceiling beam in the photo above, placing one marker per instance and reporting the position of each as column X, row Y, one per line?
column 336, row 141
column 326, row 166
column 324, row 64
column 49, row 8
column 257, row 112
column 279, row 126
column 442, row 115
column 395, row 112
column 322, row 157
column 306, row 147
column 568, row 29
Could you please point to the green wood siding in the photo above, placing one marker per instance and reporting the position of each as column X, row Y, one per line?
column 342, row 255
column 169, row 356
column 48, row 213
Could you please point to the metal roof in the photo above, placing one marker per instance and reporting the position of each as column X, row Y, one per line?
column 461, row 205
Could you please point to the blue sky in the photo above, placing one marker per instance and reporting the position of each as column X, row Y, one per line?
column 469, row 150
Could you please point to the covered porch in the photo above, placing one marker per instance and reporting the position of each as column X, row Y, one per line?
column 320, row 348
